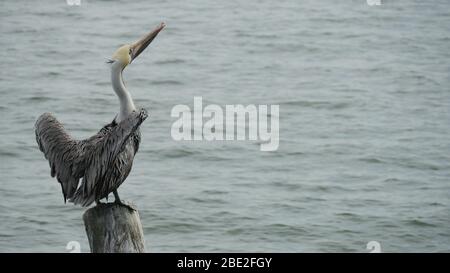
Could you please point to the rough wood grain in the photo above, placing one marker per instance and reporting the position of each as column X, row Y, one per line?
column 114, row 228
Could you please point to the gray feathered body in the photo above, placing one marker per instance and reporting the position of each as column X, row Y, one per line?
column 102, row 162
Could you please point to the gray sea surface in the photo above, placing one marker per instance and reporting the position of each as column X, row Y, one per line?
column 364, row 101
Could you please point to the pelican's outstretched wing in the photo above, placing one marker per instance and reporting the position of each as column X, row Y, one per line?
column 64, row 154
column 72, row 159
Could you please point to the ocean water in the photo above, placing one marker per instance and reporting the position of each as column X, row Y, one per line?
column 364, row 101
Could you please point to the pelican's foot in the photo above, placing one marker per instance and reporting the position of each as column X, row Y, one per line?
column 128, row 205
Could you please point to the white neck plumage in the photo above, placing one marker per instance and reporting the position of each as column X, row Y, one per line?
column 126, row 102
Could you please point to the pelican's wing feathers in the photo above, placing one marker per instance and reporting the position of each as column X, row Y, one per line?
column 104, row 153
column 72, row 159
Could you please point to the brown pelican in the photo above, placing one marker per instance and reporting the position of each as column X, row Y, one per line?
column 104, row 160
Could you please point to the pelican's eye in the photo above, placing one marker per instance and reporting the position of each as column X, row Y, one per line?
column 130, row 51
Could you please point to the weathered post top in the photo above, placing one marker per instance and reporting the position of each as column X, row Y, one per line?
column 114, row 228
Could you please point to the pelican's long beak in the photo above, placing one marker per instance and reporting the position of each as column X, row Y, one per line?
column 139, row 46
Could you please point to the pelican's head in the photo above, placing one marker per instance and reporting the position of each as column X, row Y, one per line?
column 127, row 53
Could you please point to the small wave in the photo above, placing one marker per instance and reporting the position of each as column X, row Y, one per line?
column 166, row 82
column 436, row 204
column 317, row 104
column 314, row 199
column 392, row 180
column 8, row 154
column 22, row 31
column 33, row 221
column 171, row 227
column 285, row 230
column 329, row 188
column 347, row 231
column 39, row 99
column 419, row 223
column 371, row 160
column 345, row 214
column 176, row 153
column 214, row 192
column 288, row 207
column 105, row 83
column 53, row 73
column 287, row 186
column 237, row 231
column 170, row 61
column 418, row 165
column 210, row 158
column 349, row 215
column 206, row 200
column 294, row 153
column 242, row 34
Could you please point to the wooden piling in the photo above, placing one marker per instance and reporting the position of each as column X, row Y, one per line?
column 114, row 228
